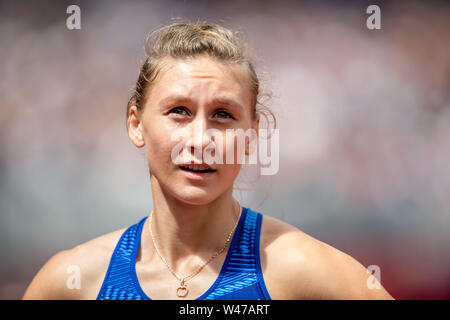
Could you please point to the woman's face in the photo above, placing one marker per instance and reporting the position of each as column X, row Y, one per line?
column 189, row 99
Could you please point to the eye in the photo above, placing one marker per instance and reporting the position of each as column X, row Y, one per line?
column 182, row 111
column 222, row 114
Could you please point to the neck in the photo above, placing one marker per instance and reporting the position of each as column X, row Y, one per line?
column 185, row 233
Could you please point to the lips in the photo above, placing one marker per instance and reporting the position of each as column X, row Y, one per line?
column 197, row 168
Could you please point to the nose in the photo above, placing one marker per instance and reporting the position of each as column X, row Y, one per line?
column 199, row 138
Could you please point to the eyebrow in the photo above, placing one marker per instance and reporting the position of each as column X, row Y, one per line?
column 185, row 99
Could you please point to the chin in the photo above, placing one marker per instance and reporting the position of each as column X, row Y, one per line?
column 196, row 196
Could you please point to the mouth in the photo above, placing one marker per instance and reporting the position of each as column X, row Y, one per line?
column 197, row 168
column 197, row 172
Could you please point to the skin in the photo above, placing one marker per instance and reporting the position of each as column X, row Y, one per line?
column 192, row 218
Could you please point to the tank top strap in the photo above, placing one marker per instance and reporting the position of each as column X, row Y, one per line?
column 119, row 283
column 241, row 277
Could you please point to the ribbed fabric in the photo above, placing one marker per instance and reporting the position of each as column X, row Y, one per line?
column 240, row 277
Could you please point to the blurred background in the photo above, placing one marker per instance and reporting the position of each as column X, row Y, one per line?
column 364, row 119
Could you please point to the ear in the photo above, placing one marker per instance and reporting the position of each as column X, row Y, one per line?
column 135, row 127
column 250, row 146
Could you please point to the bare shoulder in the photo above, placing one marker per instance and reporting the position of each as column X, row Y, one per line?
column 76, row 273
column 297, row 266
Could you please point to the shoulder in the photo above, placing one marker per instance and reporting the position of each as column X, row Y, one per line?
column 76, row 273
column 298, row 266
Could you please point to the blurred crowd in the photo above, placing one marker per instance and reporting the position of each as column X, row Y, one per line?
column 364, row 119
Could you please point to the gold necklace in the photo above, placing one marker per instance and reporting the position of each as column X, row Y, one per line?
column 182, row 290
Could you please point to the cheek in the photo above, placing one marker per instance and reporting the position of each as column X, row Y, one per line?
column 235, row 147
column 159, row 145
column 232, row 156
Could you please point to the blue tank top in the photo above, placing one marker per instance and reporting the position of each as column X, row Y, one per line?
column 240, row 277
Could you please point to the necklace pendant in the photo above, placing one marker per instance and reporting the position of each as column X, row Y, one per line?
column 182, row 290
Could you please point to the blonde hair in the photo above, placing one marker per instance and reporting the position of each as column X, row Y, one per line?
column 182, row 40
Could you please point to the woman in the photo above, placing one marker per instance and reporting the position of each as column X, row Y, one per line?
column 198, row 243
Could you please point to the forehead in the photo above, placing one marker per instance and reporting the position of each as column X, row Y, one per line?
column 201, row 77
